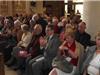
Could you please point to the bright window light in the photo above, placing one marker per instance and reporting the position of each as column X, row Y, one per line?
column 65, row 1
column 77, row 0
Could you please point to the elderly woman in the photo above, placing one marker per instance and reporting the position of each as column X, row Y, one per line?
column 26, row 37
column 70, row 51
column 35, row 45
column 90, row 62
column 17, row 31
column 34, row 20
column 33, row 48
column 7, row 41
column 23, row 44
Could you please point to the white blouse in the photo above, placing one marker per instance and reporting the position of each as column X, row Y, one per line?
column 94, row 66
column 26, row 39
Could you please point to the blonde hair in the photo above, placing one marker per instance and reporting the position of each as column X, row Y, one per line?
column 97, row 34
column 69, row 31
column 38, row 26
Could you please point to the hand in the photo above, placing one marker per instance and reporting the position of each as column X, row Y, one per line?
column 28, row 55
column 63, row 48
column 19, row 44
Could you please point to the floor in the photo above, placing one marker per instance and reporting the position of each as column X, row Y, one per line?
column 9, row 71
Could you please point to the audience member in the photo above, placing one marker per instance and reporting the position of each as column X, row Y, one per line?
column 90, row 61
column 23, row 44
column 50, row 47
column 70, row 52
column 82, row 36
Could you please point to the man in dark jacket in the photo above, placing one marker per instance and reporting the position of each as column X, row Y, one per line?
column 82, row 36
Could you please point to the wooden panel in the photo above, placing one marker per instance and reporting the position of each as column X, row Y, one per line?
column 2, row 72
column 19, row 7
column 12, row 7
column 3, row 7
column 55, row 8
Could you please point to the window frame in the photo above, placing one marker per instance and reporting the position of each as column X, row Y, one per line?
column 73, row 5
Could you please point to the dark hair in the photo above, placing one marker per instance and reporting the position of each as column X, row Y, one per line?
column 51, row 26
column 10, row 20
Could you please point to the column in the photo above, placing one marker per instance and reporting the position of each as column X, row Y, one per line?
column 91, row 15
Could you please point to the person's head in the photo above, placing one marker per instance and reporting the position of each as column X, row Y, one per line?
column 49, row 30
column 69, row 34
column 15, row 17
column 17, row 26
column 97, row 37
column 64, row 21
column 37, row 29
column 68, row 25
column 55, row 21
column 25, row 28
column 82, row 27
column 35, row 17
column 8, row 22
column 17, row 23
column 20, row 18
column 77, row 17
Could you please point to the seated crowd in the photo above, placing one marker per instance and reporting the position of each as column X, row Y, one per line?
column 45, row 45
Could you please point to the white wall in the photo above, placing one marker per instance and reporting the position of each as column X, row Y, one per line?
column 91, row 15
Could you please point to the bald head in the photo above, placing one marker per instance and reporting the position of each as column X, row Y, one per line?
column 82, row 27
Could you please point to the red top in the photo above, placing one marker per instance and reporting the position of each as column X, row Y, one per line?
column 74, row 61
column 56, row 29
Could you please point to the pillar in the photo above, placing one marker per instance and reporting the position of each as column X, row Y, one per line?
column 91, row 15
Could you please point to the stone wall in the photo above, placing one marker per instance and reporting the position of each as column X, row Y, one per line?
column 91, row 15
